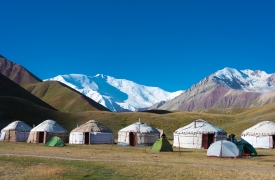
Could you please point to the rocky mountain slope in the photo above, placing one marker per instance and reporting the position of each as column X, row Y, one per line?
column 227, row 88
column 16, row 72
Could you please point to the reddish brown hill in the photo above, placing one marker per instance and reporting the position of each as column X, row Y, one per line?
column 16, row 72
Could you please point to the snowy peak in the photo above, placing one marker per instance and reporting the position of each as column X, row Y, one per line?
column 116, row 94
column 245, row 80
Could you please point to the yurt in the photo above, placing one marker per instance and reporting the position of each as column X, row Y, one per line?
column 137, row 134
column 261, row 135
column 198, row 134
column 17, row 131
column 92, row 132
column 44, row 131
column 224, row 149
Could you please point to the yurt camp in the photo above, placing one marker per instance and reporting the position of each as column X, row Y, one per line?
column 17, row 131
column 198, row 134
column 261, row 135
column 92, row 132
column 137, row 134
column 223, row 149
column 44, row 131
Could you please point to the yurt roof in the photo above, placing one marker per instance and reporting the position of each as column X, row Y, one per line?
column 140, row 127
column 262, row 128
column 199, row 126
column 17, row 125
column 92, row 126
column 49, row 126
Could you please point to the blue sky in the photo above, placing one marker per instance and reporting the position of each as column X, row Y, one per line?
column 168, row 44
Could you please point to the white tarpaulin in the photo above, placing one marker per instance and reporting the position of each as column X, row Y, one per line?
column 76, row 138
column 260, row 141
column 95, row 138
column 223, row 149
column 260, row 135
column 101, row 138
column 2, row 135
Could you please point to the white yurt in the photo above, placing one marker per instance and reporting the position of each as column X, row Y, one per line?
column 17, row 131
column 261, row 135
column 137, row 134
column 92, row 132
column 44, row 131
column 223, row 149
column 198, row 134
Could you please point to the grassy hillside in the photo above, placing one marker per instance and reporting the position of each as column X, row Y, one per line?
column 27, row 111
column 12, row 89
column 63, row 98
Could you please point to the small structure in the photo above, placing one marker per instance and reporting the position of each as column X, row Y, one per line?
column 92, row 132
column 245, row 148
column 137, row 134
column 223, row 149
column 17, row 131
column 55, row 141
column 162, row 145
column 44, row 131
column 198, row 134
column 261, row 135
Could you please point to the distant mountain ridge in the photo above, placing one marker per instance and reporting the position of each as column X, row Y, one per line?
column 116, row 94
column 16, row 72
column 227, row 88
column 57, row 95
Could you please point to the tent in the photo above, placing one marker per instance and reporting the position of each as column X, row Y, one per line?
column 137, row 134
column 55, row 141
column 223, row 149
column 245, row 148
column 261, row 135
column 44, row 131
column 17, row 131
column 92, row 132
column 161, row 145
column 198, row 134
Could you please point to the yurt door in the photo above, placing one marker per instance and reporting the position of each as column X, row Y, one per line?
column 87, row 137
column 40, row 136
column 133, row 138
column 207, row 140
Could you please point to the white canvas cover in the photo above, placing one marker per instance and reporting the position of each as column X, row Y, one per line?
column 49, row 126
column 95, row 138
column 18, row 126
column 191, row 135
column 145, row 134
column 223, row 149
column 2, row 135
column 99, row 134
column 21, row 129
column 260, row 135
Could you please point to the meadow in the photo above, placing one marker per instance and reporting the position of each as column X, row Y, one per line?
column 36, row 161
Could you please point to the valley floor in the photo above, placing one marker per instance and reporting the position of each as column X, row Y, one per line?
column 36, row 161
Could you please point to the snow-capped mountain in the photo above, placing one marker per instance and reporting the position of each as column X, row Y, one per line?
column 226, row 88
column 245, row 80
column 116, row 94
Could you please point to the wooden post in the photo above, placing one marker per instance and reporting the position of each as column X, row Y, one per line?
column 179, row 144
column 145, row 141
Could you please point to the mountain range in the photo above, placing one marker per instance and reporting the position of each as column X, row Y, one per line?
column 224, row 89
column 116, row 94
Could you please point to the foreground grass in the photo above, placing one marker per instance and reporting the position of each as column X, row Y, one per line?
column 31, row 161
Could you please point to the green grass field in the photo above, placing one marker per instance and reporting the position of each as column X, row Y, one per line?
column 36, row 161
